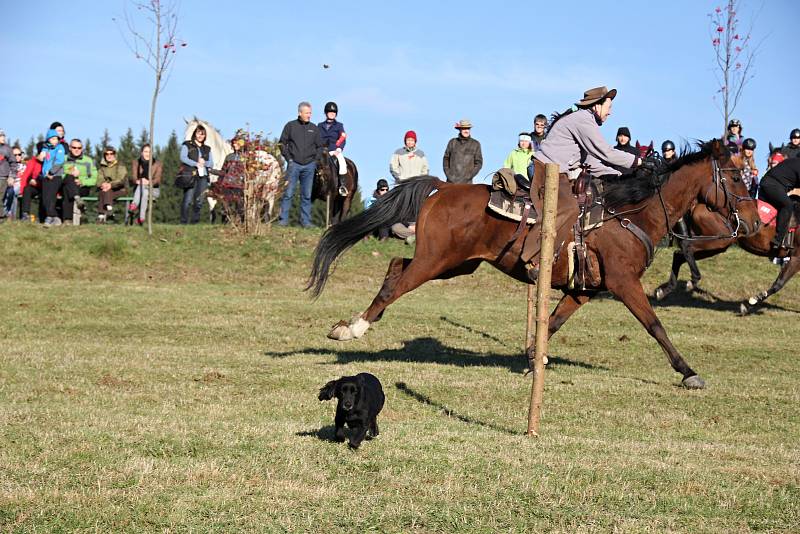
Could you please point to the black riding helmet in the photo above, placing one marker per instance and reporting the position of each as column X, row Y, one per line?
column 735, row 122
column 749, row 144
column 667, row 145
column 331, row 106
column 795, row 134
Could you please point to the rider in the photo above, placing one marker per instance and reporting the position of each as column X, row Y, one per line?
column 734, row 137
column 574, row 139
column 333, row 138
column 775, row 188
column 668, row 151
column 624, row 141
column 792, row 150
column 750, row 171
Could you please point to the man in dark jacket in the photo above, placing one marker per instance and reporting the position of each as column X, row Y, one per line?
column 537, row 135
column 624, row 141
column 300, row 145
column 462, row 157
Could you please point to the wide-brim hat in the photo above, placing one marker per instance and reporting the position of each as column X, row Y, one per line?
column 596, row 94
column 463, row 124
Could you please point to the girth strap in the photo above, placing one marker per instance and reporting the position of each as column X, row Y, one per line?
column 643, row 237
column 522, row 222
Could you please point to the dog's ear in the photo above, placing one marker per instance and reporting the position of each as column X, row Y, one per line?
column 328, row 391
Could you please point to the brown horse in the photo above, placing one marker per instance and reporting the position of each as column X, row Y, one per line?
column 326, row 182
column 704, row 222
column 455, row 233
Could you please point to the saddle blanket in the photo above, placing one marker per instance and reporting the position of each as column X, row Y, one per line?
column 769, row 214
column 511, row 208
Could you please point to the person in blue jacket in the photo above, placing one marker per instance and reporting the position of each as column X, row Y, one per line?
column 334, row 138
column 52, row 157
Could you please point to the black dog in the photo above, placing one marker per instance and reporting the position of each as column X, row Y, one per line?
column 360, row 401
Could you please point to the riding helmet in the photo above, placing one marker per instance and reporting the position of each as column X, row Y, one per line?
column 749, row 144
column 795, row 134
column 331, row 106
column 667, row 145
column 735, row 122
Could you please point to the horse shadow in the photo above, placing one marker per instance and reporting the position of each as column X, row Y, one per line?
column 431, row 350
column 681, row 297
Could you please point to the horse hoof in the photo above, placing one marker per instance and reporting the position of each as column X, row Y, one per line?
column 743, row 309
column 690, row 286
column 660, row 294
column 694, row 382
column 341, row 331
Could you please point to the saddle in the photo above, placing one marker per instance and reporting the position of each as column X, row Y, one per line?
column 591, row 215
column 511, row 198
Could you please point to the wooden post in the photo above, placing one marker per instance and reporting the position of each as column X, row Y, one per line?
column 328, row 210
column 529, row 323
column 550, row 208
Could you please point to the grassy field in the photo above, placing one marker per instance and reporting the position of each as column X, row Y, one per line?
column 169, row 384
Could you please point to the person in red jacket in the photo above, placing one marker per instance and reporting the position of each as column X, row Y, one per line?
column 30, row 187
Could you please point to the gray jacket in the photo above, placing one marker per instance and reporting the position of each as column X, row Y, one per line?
column 576, row 139
column 7, row 163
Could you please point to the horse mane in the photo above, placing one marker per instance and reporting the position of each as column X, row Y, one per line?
column 219, row 146
column 631, row 190
column 556, row 116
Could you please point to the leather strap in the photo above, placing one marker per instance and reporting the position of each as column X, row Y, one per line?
column 643, row 237
column 523, row 222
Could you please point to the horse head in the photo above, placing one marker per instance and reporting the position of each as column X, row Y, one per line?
column 644, row 150
column 726, row 191
column 220, row 147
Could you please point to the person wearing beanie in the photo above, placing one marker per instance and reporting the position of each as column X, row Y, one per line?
column 624, row 141
column 58, row 127
column 52, row 157
column 462, row 159
column 381, row 188
column 519, row 158
column 408, row 161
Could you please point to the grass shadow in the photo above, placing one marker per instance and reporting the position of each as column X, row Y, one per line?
column 424, row 399
column 681, row 297
column 473, row 330
column 431, row 350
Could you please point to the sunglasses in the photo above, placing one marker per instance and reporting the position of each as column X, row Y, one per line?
column 111, row 153
column 75, row 147
column 18, row 154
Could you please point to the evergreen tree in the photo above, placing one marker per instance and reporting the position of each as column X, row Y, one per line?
column 143, row 140
column 16, row 143
column 101, row 146
column 30, row 147
column 87, row 147
column 127, row 152
column 168, row 207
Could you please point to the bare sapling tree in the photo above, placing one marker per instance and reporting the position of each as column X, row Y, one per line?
column 150, row 31
column 734, row 56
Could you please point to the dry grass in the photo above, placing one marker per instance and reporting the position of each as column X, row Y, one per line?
column 169, row 384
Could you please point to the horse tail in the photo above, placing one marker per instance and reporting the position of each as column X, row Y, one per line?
column 401, row 204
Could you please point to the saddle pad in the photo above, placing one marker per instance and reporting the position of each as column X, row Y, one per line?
column 504, row 205
column 593, row 218
column 766, row 213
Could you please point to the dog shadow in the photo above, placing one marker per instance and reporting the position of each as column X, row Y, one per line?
column 326, row 433
column 431, row 350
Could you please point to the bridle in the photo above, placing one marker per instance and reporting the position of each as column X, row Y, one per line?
column 720, row 189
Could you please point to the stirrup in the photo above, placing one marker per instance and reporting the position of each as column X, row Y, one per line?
column 533, row 271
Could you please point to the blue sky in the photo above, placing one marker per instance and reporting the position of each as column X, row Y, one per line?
column 395, row 67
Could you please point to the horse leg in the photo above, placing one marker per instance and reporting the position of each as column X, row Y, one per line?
column 568, row 305
column 678, row 258
column 630, row 291
column 691, row 261
column 403, row 275
column 787, row 272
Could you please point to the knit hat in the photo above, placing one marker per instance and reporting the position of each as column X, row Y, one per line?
column 2, row 133
column 412, row 134
column 382, row 183
column 51, row 133
column 55, row 125
column 623, row 130
column 524, row 136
